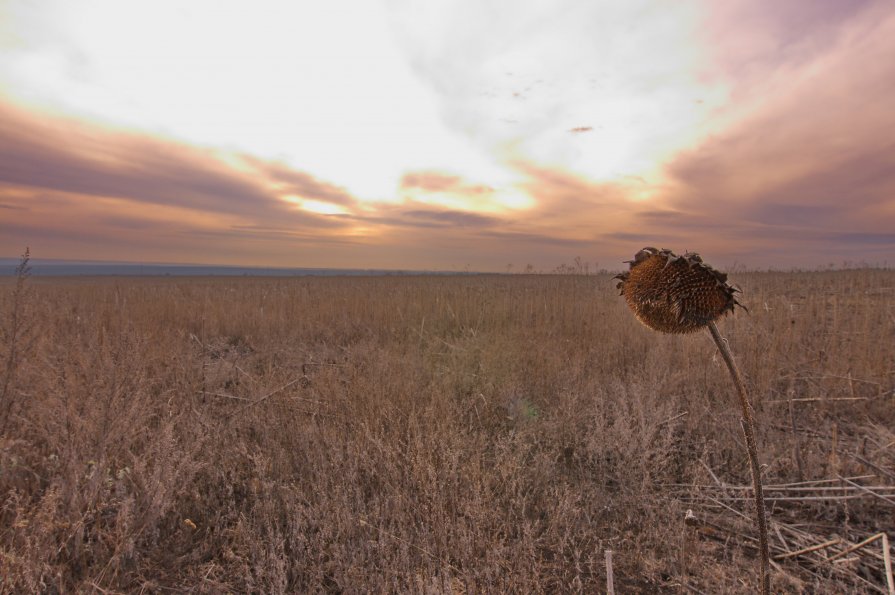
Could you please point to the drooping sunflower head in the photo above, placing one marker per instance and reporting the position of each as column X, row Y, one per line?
column 675, row 294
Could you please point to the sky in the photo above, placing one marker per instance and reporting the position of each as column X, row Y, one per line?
column 448, row 134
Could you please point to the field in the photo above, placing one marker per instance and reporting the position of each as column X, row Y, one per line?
column 443, row 434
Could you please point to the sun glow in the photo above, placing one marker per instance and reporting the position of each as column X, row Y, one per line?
column 315, row 206
column 512, row 199
column 493, row 201
column 322, row 208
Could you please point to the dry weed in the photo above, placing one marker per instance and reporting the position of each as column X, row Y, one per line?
column 418, row 434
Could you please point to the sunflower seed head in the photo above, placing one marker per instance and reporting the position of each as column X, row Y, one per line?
column 674, row 293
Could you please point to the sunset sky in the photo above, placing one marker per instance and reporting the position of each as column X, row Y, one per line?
column 447, row 134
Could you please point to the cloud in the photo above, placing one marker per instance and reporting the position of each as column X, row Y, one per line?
column 755, row 132
column 71, row 185
column 750, row 39
column 454, row 218
column 420, row 215
column 134, row 223
column 864, row 238
column 770, row 122
column 556, row 187
column 433, row 181
column 299, row 183
column 527, row 239
column 813, row 160
column 57, row 154
column 628, row 72
column 292, row 237
column 82, row 191
column 644, row 239
column 571, row 205
column 796, row 214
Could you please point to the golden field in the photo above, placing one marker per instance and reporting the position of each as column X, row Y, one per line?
column 437, row 434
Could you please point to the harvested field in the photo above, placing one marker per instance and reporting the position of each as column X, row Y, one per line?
column 437, row 434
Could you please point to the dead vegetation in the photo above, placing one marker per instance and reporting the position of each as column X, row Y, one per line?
column 681, row 294
column 437, row 434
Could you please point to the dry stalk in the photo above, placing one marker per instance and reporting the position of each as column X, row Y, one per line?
column 887, row 560
column 610, row 581
column 14, row 338
column 868, row 490
column 856, row 546
column 673, row 293
column 796, row 446
column 268, row 395
column 749, row 432
column 808, row 550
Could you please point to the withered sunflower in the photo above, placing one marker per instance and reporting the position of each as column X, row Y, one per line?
column 675, row 294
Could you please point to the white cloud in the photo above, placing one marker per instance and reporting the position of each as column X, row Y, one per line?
column 359, row 92
column 319, row 85
column 518, row 76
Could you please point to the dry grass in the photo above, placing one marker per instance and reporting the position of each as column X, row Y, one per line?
column 427, row 434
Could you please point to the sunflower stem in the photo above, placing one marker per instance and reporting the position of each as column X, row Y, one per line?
column 749, row 432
